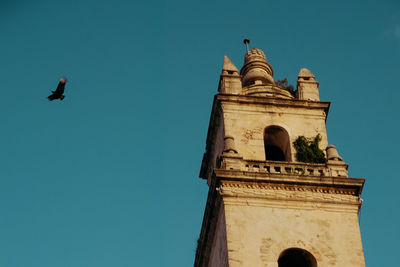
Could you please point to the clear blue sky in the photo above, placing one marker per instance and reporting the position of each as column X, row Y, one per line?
column 109, row 176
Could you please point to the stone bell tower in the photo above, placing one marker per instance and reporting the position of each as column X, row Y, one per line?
column 265, row 207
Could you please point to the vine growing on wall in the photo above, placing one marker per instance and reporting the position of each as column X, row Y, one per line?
column 307, row 149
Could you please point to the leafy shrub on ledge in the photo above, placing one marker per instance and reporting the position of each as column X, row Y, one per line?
column 284, row 84
column 307, row 149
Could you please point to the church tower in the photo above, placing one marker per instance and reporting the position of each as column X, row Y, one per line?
column 279, row 195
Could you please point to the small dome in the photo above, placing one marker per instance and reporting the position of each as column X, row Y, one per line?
column 306, row 73
column 256, row 69
column 257, row 77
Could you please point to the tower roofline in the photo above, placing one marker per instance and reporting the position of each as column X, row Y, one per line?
column 248, row 99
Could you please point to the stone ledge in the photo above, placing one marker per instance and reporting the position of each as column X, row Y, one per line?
column 355, row 185
column 263, row 100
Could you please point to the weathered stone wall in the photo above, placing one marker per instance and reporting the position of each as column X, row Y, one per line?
column 258, row 230
column 246, row 124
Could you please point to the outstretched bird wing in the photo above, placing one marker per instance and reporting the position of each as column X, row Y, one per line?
column 52, row 97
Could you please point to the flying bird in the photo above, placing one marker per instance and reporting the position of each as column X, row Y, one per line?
column 58, row 93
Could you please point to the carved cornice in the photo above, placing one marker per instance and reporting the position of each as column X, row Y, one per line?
column 243, row 186
column 284, row 199
column 284, row 178
column 264, row 187
column 302, row 195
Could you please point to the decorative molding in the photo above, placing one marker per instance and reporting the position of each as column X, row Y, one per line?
column 301, row 188
column 298, row 193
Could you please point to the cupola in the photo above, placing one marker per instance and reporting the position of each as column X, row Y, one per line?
column 257, row 77
column 256, row 69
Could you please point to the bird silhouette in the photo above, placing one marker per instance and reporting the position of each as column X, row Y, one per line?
column 58, row 93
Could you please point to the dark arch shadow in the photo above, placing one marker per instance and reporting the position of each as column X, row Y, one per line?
column 296, row 257
column 277, row 144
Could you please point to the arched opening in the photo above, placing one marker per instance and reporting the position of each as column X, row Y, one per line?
column 276, row 144
column 296, row 257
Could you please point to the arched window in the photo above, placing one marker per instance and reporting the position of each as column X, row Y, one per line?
column 277, row 144
column 296, row 257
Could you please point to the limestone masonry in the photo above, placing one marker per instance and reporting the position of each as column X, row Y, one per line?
column 264, row 207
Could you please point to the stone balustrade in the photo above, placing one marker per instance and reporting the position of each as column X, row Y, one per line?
column 335, row 169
